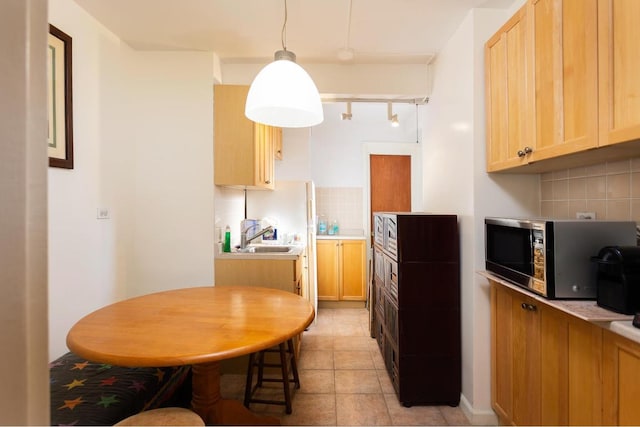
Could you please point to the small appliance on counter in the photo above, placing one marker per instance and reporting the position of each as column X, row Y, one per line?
column 552, row 257
column 618, row 278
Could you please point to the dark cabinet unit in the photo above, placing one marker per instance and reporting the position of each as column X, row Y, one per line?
column 416, row 305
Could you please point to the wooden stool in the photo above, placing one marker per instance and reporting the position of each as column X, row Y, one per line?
column 287, row 357
column 163, row 417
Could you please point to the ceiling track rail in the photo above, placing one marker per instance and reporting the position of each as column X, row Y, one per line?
column 413, row 101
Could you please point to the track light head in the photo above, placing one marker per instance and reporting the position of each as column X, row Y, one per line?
column 393, row 118
column 347, row 115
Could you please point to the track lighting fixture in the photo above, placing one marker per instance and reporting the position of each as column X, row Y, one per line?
column 283, row 94
column 347, row 115
column 393, row 118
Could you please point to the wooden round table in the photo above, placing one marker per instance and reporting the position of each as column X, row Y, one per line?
column 193, row 326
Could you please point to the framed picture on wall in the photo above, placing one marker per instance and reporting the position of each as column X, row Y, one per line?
column 59, row 100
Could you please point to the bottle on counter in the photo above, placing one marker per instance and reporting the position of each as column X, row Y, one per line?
column 322, row 225
column 335, row 230
column 227, row 239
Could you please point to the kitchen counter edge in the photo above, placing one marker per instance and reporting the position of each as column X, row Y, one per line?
column 297, row 251
column 587, row 310
column 339, row 237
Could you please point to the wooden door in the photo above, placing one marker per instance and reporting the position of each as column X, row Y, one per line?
column 620, row 380
column 565, row 51
column 353, row 274
column 515, row 343
column 327, row 256
column 618, row 65
column 570, row 370
column 509, row 95
column 390, row 183
column 501, row 353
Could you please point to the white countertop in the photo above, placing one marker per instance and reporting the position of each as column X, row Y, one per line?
column 339, row 237
column 587, row 310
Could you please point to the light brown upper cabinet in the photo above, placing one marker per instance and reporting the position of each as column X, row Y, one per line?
column 619, row 68
column 565, row 60
column 509, row 137
column 577, row 69
column 243, row 150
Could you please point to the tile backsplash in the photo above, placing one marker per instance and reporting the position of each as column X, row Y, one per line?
column 343, row 204
column 611, row 190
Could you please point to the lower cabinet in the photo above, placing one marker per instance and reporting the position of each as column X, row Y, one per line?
column 621, row 380
column 341, row 270
column 546, row 365
column 283, row 274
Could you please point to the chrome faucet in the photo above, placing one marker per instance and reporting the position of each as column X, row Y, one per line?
column 244, row 240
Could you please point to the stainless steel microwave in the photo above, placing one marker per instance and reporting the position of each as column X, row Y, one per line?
column 552, row 257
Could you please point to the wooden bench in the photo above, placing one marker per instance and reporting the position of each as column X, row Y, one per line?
column 87, row 393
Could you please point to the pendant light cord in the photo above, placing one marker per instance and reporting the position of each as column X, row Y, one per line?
column 283, row 35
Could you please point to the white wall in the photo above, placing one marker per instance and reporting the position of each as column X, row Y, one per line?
column 337, row 145
column 455, row 181
column 143, row 131
column 85, row 254
column 172, row 137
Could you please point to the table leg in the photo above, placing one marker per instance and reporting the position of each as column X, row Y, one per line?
column 212, row 408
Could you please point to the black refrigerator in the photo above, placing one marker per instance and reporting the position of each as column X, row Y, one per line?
column 416, row 305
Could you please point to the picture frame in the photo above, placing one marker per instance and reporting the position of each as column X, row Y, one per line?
column 59, row 99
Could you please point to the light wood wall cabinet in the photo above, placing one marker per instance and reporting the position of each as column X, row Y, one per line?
column 509, row 139
column 565, row 76
column 341, row 270
column 243, row 150
column 619, row 62
column 547, row 366
column 575, row 91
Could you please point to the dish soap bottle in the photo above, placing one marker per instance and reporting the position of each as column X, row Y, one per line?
column 227, row 239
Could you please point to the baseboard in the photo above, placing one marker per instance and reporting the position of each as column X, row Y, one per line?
column 475, row 417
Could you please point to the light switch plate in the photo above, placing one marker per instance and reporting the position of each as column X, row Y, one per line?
column 103, row 213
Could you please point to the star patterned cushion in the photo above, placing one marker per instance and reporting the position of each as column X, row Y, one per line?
column 87, row 393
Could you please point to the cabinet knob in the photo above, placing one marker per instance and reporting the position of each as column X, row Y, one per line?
column 528, row 307
column 525, row 151
column 267, row 182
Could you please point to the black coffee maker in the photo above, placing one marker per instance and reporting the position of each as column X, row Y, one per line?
column 618, row 278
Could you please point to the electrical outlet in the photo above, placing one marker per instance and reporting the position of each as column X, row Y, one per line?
column 103, row 213
column 586, row 215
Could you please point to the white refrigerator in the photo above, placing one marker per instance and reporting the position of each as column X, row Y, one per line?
column 291, row 208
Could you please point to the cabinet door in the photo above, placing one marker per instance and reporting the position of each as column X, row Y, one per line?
column 619, row 62
column 620, row 380
column 570, row 364
column 243, row 150
column 263, row 166
column 353, row 270
column 565, row 54
column 276, row 133
column 508, row 95
column 234, row 140
column 515, row 343
column 327, row 259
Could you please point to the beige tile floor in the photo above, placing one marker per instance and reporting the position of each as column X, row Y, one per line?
column 343, row 381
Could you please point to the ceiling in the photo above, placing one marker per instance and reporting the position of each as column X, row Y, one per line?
column 317, row 31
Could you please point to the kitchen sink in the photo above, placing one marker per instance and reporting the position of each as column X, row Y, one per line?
column 260, row 249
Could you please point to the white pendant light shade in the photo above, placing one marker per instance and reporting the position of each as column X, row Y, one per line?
column 283, row 95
